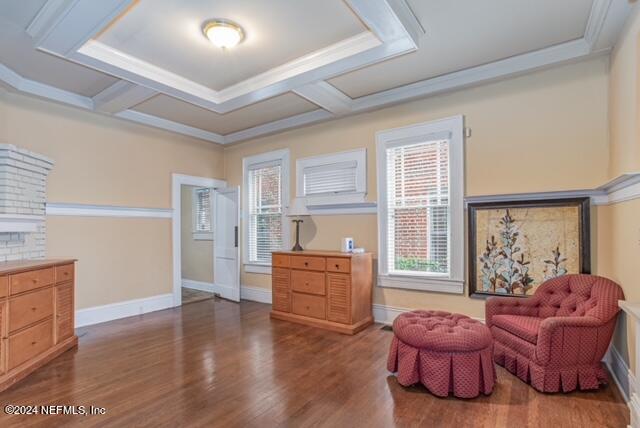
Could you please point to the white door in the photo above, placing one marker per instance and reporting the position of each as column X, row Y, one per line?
column 226, row 254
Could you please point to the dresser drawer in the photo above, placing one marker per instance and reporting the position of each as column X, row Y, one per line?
column 307, row 282
column 336, row 264
column 307, row 262
column 29, row 343
column 308, row 305
column 4, row 286
column 31, row 280
column 29, row 308
column 279, row 260
column 64, row 273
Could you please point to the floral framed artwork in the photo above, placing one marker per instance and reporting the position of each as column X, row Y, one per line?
column 515, row 246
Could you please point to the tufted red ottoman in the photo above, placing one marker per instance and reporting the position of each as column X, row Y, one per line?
column 447, row 353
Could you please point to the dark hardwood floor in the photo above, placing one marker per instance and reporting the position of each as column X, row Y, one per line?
column 216, row 363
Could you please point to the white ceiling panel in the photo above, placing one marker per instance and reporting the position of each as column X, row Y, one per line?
column 167, row 34
column 466, row 33
column 256, row 114
column 17, row 53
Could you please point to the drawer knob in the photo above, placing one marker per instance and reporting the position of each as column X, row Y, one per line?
column 33, row 309
column 337, row 266
column 306, row 263
column 33, row 343
column 66, row 273
column 35, row 280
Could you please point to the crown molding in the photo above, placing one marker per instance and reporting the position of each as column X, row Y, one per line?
column 120, row 96
column 299, row 120
column 168, row 125
column 394, row 31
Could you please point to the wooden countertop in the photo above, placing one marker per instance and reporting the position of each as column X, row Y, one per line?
column 321, row 253
column 24, row 265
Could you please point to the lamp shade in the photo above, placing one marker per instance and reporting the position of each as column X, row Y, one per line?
column 298, row 208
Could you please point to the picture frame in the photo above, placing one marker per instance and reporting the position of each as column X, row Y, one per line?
column 514, row 246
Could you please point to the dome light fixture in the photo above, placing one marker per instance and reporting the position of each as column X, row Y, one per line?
column 223, row 33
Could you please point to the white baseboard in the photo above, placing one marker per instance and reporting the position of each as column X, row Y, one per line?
column 128, row 308
column 384, row 314
column 255, row 294
column 199, row 285
column 620, row 372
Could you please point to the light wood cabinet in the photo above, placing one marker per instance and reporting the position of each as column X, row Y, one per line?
column 324, row 289
column 36, row 315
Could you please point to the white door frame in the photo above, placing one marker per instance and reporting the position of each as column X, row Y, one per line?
column 177, row 181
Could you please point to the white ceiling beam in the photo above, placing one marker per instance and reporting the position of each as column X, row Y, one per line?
column 596, row 21
column 390, row 20
column 168, row 125
column 63, row 26
column 326, row 96
column 121, row 96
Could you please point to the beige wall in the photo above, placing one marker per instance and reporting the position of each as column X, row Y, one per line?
column 197, row 255
column 540, row 132
column 103, row 160
column 624, row 100
column 619, row 232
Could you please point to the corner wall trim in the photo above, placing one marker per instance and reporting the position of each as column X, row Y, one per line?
column 82, row 210
column 128, row 308
column 255, row 294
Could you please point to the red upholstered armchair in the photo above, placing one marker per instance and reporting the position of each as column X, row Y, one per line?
column 556, row 338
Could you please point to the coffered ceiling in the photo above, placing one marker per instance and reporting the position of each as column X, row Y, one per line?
column 302, row 61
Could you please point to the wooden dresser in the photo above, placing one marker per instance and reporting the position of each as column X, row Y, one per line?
column 36, row 315
column 324, row 289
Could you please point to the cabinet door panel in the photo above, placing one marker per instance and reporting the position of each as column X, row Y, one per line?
column 339, row 298
column 281, row 290
column 64, row 312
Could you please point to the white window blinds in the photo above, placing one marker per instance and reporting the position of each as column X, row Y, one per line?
column 339, row 177
column 418, row 214
column 265, row 212
column 202, row 208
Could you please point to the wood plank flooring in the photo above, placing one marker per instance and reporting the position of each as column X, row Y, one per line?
column 217, row 363
column 189, row 295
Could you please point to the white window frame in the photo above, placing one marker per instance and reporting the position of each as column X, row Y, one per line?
column 251, row 162
column 198, row 235
column 453, row 282
column 358, row 156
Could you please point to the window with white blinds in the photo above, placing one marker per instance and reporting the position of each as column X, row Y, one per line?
column 418, row 207
column 420, row 173
column 265, row 212
column 266, row 199
column 202, row 210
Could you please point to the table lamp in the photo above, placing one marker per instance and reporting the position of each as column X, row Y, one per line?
column 297, row 209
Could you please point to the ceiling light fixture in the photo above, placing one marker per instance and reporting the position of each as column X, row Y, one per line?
column 223, row 33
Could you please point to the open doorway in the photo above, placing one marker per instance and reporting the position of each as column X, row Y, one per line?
column 206, row 254
column 197, row 244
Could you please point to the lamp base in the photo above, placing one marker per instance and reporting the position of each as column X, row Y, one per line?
column 297, row 247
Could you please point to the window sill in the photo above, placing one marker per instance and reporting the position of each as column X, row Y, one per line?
column 202, row 236
column 440, row 285
column 255, row 268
